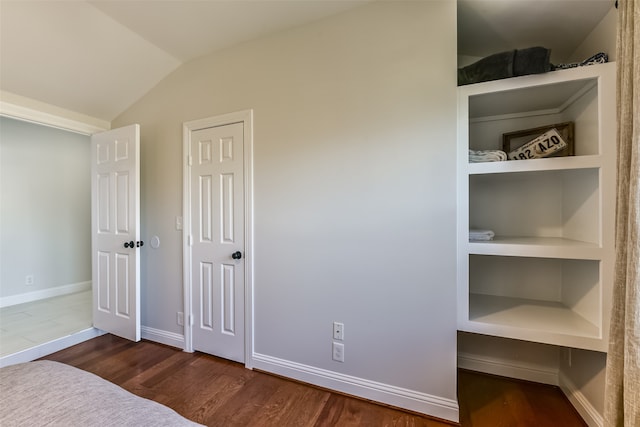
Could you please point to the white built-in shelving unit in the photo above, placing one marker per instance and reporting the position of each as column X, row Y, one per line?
column 547, row 275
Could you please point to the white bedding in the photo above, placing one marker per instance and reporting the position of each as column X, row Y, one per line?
column 47, row 393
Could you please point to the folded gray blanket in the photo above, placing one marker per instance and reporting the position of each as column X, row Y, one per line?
column 534, row 60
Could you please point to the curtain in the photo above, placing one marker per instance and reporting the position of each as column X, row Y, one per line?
column 622, row 393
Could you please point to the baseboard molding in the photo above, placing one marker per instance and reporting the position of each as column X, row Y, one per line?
column 44, row 293
column 163, row 337
column 33, row 353
column 586, row 410
column 434, row 406
column 508, row 368
column 50, row 347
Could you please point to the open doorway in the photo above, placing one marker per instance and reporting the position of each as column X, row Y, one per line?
column 45, row 234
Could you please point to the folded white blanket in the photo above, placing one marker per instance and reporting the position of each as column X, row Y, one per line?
column 487, row 156
column 481, row 235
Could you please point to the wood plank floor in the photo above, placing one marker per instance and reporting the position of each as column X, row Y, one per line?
column 217, row 392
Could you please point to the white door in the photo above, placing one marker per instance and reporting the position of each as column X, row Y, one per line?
column 217, row 240
column 115, row 225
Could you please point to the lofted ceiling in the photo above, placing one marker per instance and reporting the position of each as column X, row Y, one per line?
column 491, row 26
column 99, row 57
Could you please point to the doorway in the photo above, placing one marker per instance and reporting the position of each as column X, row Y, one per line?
column 45, row 244
column 218, row 235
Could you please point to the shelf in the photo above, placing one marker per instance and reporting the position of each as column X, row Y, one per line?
column 542, row 247
column 561, row 203
column 547, row 274
column 532, row 315
column 550, row 164
column 549, row 98
column 541, row 92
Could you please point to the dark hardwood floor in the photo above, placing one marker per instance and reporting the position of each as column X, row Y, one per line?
column 217, row 392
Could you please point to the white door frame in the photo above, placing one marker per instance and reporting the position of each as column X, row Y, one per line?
column 245, row 117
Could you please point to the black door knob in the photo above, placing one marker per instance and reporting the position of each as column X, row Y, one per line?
column 236, row 255
column 140, row 243
column 129, row 244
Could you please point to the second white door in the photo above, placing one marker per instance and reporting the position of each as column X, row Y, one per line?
column 217, row 240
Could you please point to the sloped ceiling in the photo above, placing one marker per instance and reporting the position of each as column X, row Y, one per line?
column 99, row 57
column 492, row 26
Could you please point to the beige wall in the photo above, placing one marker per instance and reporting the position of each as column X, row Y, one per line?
column 354, row 169
column 601, row 39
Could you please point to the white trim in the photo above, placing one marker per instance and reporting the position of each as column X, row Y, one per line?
column 514, row 115
column 186, row 237
column 508, row 368
column 163, row 337
column 586, row 410
column 40, row 117
column 248, row 232
column 220, row 120
column 44, row 293
column 246, row 118
column 50, row 347
column 434, row 406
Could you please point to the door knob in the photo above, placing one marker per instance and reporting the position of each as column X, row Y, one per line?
column 236, row 255
column 131, row 244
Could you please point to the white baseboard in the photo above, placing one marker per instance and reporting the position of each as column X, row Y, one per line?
column 586, row 410
column 162, row 337
column 45, row 349
column 44, row 293
column 33, row 353
column 508, row 368
column 435, row 406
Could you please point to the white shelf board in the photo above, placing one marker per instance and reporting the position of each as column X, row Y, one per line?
column 548, row 91
column 551, row 98
column 536, row 317
column 535, row 165
column 539, row 247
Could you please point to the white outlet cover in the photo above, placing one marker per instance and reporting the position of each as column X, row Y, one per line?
column 338, row 331
column 338, row 352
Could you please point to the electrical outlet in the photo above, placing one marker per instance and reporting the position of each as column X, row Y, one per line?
column 29, row 280
column 338, row 352
column 178, row 223
column 180, row 318
column 338, row 331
